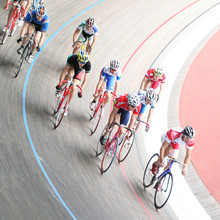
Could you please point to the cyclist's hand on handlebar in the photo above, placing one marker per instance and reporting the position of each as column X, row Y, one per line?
column 80, row 94
column 157, row 99
column 184, row 170
column 38, row 48
column 147, row 127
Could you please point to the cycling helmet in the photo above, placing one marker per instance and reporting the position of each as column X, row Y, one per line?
column 41, row 10
column 158, row 71
column 115, row 64
column 151, row 95
column 83, row 56
column 189, row 131
column 133, row 99
column 90, row 21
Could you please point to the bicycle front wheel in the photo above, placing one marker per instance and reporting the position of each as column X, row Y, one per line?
column 148, row 175
column 100, row 147
column 97, row 118
column 62, row 109
column 163, row 190
column 109, row 155
column 7, row 31
column 126, row 148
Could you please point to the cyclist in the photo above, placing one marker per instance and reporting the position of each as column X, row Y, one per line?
column 152, row 79
column 170, row 146
column 24, row 3
column 74, row 67
column 36, row 20
column 110, row 77
column 147, row 97
column 123, row 106
column 87, row 30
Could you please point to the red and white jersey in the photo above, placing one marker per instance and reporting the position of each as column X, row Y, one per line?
column 174, row 137
column 150, row 75
column 122, row 102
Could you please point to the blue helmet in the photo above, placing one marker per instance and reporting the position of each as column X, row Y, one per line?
column 41, row 11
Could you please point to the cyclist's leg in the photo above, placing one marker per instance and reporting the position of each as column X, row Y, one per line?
column 12, row 10
column 30, row 31
column 26, row 5
column 6, row 6
column 37, row 38
column 81, row 39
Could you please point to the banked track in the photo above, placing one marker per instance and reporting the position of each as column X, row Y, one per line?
column 67, row 154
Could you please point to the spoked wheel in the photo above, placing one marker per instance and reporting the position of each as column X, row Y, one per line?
column 61, row 110
column 22, row 59
column 148, row 178
column 7, row 31
column 97, row 118
column 100, row 147
column 163, row 190
column 122, row 138
column 109, row 155
column 126, row 148
column 58, row 102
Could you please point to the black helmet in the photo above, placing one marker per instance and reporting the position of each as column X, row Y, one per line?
column 189, row 131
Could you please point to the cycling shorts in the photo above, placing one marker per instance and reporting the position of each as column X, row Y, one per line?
column 110, row 82
column 19, row 1
column 78, row 75
column 124, row 116
column 83, row 38
column 37, row 26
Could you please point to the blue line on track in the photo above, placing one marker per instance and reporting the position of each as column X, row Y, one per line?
column 24, row 109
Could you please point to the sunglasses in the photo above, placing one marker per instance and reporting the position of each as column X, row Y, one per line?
column 82, row 62
column 187, row 137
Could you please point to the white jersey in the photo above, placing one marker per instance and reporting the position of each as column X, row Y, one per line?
column 142, row 97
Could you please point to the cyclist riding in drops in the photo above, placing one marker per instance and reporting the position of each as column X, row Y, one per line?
column 123, row 106
column 110, row 77
column 36, row 20
column 74, row 67
column 24, row 3
column 147, row 97
column 87, row 30
column 152, row 79
column 170, row 147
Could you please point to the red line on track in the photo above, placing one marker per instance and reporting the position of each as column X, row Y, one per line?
column 132, row 55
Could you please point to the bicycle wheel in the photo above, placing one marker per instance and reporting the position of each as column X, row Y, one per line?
column 58, row 101
column 109, row 155
column 97, row 118
column 122, row 138
column 126, row 148
column 148, row 175
column 163, row 190
column 100, row 147
column 23, row 57
column 62, row 109
column 7, row 31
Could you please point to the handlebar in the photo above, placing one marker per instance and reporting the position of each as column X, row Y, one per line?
column 138, row 119
column 105, row 91
column 71, row 83
column 172, row 160
column 18, row 6
column 31, row 38
column 128, row 129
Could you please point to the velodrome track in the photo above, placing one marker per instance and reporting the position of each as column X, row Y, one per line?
column 67, row 155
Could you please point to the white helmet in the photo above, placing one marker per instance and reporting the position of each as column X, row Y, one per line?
column 151, row 95
column 115, row 64
column 133, row 99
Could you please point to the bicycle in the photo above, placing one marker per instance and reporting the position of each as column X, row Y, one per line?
column 85, row 46
column 63, row 100
column 26, row 51
column 127, row 143
column 110, row 147
column 13, row 22
column 97, row 115
column 163, row 183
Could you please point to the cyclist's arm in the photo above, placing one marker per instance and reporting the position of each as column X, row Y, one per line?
column 101, row 80
column 75, row 35
column 161, row 87
column 27, row 7
column 187, row 160
column 143, row 83
column 94, row 41
column 116, row 87
column 43, row 34
column 150, row 115
column 112, row 115
column 132, row 121
column 63, row 74
column 86, row 76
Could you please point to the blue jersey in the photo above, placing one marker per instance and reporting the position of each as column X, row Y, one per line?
column 31, row 18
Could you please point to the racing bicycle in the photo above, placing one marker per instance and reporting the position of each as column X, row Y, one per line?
column 13, row 22
column 97, row 114
column 63, row 100
column 26, row 51
column 163, row 183
column 111, row 146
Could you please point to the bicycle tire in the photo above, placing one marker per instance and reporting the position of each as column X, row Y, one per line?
column 59, row 100
column 161, row 196
column 126, row 148
column 23, row 57
column 97, row 118
column 108, row 157
column 148, row 177
column 122, row 138
column 100, row 148
column 7, row 31
column 62, row 109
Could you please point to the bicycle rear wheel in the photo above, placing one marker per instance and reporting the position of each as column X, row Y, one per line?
column 97, row 118
column 163, row 190
column 109, row 155
column 126, row 148
column 148, row 175
column 62, row 108
column 23, row 57
column 7, row 31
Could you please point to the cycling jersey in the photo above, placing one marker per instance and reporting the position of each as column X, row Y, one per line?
column 42, row 25
column 110, row 78
column 174, row 137
column 142, row 97
column 155, row 83
column 88, row 33
column 72, row 61
column 122, row 102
